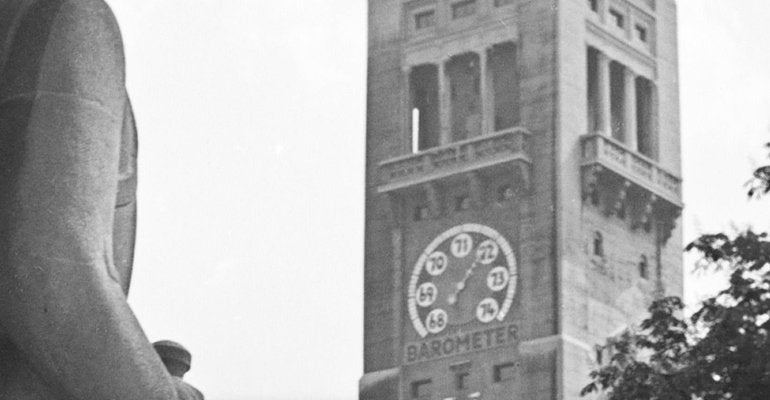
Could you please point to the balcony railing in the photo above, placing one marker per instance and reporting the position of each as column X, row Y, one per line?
column 455, row 158
column 607, row 152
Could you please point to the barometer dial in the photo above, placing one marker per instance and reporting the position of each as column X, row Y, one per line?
column 466, row 274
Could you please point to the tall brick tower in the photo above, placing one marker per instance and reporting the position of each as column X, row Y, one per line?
column 522, row 192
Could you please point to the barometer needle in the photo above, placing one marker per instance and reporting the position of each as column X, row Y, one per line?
column 452, row 299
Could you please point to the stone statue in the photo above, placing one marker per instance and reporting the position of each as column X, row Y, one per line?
column 68, row 211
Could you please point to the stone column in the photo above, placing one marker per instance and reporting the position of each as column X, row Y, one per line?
column 604, row 122
column 629, row 80
column 602, row 10
column 406, row 103
column 444, row 104
column 654, row 122
column 487, row 104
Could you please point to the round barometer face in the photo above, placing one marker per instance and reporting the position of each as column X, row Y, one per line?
column 466, row 274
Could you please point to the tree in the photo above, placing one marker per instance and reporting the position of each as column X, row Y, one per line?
column 760, row 183
column 722, row 351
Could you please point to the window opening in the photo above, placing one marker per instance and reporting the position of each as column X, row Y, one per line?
column 463, row 9
column 598, row 244
column 594, row 4
column 617, row 101
column 618, row 18
column 644, row 271
column 421, row 389
column 505, row 85
column 641, row 33
column 644, row 118
column 465, row 108
column 425, row 124
column 425, row 19
column 461, row 380
column 504, row 372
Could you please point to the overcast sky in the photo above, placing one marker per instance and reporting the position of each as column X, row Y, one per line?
column 251, row 118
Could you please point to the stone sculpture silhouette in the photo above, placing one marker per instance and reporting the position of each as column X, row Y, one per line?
column 68, row 211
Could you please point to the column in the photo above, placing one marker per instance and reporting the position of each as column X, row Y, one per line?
column 603, row 11
column 444, row 104
column 654, row 123
column 629, row 106
column 604, row 122
column 486, row 104
column 406, row 104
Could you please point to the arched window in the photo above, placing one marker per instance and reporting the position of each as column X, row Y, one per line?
column 598, row 244
column 643, row 267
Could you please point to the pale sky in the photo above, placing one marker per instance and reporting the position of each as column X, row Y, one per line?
column 252, row 117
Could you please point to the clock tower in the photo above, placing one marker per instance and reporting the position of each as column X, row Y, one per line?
column 522, row 191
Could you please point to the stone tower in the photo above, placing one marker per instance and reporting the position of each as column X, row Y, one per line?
column 522, row 191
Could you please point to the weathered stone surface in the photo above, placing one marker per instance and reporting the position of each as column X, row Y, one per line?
column 68, row 211
column 175, row 357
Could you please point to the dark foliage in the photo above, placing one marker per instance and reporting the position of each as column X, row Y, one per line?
column 760, row 184
column 721, row 352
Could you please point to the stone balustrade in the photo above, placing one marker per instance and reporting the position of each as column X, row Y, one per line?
column 464, row 156
column 644, row 172
column 650, row 3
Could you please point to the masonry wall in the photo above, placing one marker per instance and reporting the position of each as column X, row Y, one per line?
column 668, row 86
column 383, row 138
column 670, row 133
column 602, row 295
column 536, row 63
column 572, row 124
column 385, row 264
